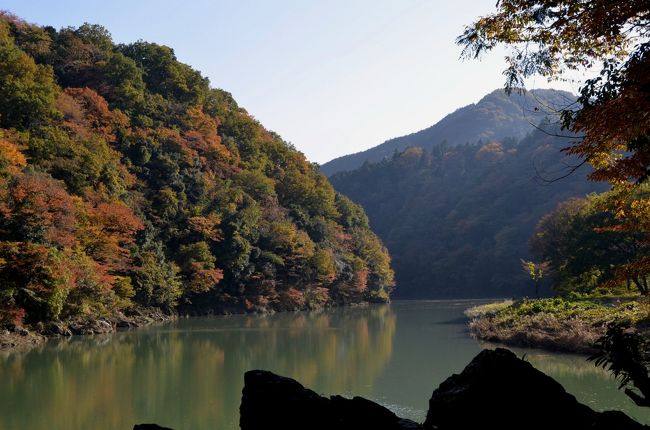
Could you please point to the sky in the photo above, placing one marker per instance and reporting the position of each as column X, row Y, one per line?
column 332, row 77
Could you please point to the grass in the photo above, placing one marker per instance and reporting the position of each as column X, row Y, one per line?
column 555, row 323
column 488, row 309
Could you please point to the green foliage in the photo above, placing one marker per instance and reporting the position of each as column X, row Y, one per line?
column 155, row 280
column 536, row 271
column 132, row 182
column 589, row 310
column 581, row 242
column 27, row 89
column 457, row 219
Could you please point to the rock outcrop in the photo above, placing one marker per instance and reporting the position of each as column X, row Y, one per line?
column 499, row 390
column 270, row 401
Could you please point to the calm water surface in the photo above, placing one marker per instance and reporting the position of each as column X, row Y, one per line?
column 189, row 374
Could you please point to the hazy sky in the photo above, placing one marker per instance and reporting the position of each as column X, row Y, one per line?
column 332, row 76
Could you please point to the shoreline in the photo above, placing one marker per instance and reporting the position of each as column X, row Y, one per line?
column 20, row 339
column 551, row 324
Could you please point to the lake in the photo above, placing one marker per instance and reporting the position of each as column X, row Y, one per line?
column 188, row 374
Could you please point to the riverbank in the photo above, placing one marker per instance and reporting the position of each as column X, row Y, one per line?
column 19, row 338
column 554, row 324
column 22, row 338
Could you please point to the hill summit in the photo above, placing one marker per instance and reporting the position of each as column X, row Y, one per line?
column 493, row 118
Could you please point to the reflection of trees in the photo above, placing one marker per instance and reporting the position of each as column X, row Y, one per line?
column 189, row 374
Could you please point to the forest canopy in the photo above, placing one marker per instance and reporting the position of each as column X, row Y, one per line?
column 126, row 180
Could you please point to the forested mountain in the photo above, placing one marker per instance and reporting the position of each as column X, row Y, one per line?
column 495, row 117
column 457, row 219
column 126, row 179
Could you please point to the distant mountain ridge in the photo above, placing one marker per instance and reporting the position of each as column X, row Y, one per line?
column 457, row 219
column 493, row 118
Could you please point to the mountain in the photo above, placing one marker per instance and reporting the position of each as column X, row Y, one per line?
column 495, row 117
column 127, row 180
column 457, row 219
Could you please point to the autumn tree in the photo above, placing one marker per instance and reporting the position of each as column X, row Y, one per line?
column 126, row 180
column 552, row 38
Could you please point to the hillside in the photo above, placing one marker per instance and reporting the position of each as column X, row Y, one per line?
column 457, row 219
column 495, row 117
column 127, row 180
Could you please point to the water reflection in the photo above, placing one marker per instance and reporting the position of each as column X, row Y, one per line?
column 189, row 374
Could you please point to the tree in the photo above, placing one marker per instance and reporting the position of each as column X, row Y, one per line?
column 553, row 37
column 27, row 89
column 536, row 271
column 125, row 179
column 587, row 248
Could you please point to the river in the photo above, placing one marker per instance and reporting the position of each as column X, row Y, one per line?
column 188, row 374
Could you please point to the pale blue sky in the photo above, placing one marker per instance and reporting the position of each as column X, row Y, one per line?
column 332, row 76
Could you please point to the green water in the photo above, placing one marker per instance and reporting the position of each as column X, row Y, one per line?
column 188, row 374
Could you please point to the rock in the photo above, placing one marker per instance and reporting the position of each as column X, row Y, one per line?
column 149, row 427
column 57, row 329
column 123, row 323
column 270, row 401
column 496, row 390
column 20, row 330
column 499, row 390
column 91, row 327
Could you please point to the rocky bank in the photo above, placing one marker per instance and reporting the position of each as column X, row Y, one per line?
column 20, row 338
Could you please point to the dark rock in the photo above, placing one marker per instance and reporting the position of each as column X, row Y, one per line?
column 57, row 329
column 496, row 390
column 270, row 401
column 149, row 427
column 20, row 330
column 499, row 390
column 124, row 323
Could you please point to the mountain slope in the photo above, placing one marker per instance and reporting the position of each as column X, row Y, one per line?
column 457, row 220
column 126, row 180
column 495, row 117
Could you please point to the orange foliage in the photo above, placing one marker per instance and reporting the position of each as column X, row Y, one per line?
column 109, row 228
column 10, row 154
column 42, row 209
column 294, row 298
column 207, row 227
column 361, row 280
column 202, row 280
column 85, row 112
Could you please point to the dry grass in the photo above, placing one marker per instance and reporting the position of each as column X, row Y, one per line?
column 539, row 331
column 553, row 324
